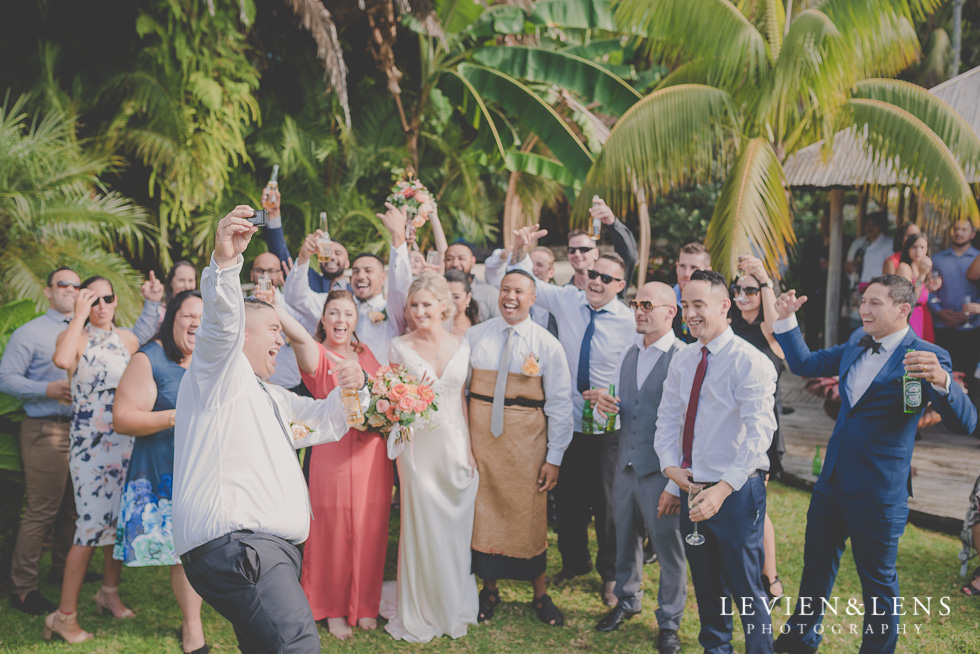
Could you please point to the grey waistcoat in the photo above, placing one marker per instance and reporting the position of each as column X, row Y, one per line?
column 638, row 410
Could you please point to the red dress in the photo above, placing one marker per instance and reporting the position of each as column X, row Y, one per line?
column 350, row 489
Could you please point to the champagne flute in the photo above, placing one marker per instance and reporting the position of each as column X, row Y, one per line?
column 694, row 538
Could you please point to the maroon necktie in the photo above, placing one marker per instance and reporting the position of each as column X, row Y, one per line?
column 692, row 407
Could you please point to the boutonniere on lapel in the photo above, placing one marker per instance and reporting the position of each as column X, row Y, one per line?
column 378, row 316
column 532, row 365
column 300, row 430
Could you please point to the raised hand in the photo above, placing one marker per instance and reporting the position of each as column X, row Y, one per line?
column 602, row 211
column 753, row 266
column 272, row 202
column 234, row 234
column 787, row 304
column 152, row 289
column 310, row 245
column 349, row 374
column 395, row 221
column 269, row 297
column 524, row 237
column 287, row 267
column 83, row 304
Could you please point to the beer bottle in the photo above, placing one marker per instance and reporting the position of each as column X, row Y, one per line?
column 595, row 226
column 271, row 185
column 588, row 422
column 911, row 391
column 817, row 463
column 612, row 419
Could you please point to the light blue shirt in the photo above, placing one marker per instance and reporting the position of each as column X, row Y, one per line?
column 26, row 368
column 955, row 284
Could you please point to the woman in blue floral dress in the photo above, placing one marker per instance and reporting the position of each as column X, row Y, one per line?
column 95, row 354
column 145, row 409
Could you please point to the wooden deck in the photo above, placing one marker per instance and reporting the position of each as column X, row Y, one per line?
column 946, row 464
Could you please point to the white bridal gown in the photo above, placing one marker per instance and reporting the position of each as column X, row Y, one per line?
column 436, row 591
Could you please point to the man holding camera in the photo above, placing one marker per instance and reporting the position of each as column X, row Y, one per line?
column 240, row 501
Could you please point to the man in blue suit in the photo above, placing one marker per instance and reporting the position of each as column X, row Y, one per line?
column 863, row 490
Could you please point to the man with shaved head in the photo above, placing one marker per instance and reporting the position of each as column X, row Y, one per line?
column 460, row 257
column 645, row 501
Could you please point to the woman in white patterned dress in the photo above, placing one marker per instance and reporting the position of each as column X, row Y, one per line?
column 95, row 354
column 436, row 590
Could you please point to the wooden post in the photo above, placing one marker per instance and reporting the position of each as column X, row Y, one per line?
column 835, row 267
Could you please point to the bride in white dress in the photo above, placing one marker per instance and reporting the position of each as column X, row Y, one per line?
column 436, row 591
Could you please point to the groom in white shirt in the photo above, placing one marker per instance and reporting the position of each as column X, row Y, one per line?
column 240, row 500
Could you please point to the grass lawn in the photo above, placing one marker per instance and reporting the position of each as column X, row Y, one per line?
column 927, row 567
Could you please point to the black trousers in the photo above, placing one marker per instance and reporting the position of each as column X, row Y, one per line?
column 253, row 581
column 964, row 351
column 585, row 489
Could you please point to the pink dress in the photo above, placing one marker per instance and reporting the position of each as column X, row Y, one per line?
column 921, row 320
column 350, row 489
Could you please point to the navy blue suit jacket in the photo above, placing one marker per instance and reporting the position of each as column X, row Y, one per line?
column 870, row 451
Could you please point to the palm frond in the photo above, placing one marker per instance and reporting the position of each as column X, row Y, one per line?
column 752, row 214
column 714, row 31
column 769, row 17
column 671, row 137
column 896, row 138
column 941, row 118
column 318, row 21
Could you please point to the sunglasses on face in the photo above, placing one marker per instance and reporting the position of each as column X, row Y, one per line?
column 65, row 284
column 108, row 299
column 646, row 305
column 582, row 249
column 748, row 290
column 606, row 279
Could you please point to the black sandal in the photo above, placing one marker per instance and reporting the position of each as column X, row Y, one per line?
column 773, row 599
column 489, row 599
column 547, row 612
column 971, row 590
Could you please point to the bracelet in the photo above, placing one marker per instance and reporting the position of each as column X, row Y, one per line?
column 366, row 379
column 173, row 417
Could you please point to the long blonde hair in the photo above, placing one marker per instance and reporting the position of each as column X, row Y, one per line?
column 438, row 286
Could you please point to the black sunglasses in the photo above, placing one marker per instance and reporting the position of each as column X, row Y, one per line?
column 646, row 305
column 606, row 279
column 748, row 290
column 61, row 283
column 108, row 299
column 582, row 249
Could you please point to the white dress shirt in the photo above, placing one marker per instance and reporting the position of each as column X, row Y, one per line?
column 234, row 466
column 494, row 269
column 487, row 341
column 646, row 357
column 866, row 367
column 735, row 420
column 614, row 330
column 375, row 335
column 287, row 370
column 875, row 255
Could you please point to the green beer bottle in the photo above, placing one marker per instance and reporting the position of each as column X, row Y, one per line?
column 588, row 422
column 817, row 463
column 611, row 418
column 911, row 391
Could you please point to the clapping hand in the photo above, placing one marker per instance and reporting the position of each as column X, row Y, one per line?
column 787, row 304
column 349, row 374
column 234, row 234
column 152, row 289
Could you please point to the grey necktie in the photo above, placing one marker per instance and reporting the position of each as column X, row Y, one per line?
column 500, row 387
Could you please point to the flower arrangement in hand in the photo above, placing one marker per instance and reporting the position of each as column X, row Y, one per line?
column 397, row 400
column 415, row 201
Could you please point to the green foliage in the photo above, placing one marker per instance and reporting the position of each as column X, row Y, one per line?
column 185, row 110
column 55, row 211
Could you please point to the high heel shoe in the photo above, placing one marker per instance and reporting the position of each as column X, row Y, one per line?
column 66, row 626
column 773, row 599
column 101, row 605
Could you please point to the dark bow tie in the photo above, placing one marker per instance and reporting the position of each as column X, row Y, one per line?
column 867, row 341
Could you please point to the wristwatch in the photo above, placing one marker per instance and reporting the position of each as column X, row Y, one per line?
column 366, row 378
column 769, row 284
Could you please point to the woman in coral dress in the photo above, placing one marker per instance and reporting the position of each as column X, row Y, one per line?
column 350, row 488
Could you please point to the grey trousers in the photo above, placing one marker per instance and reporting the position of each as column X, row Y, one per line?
column 635, row 505
column 253, row 581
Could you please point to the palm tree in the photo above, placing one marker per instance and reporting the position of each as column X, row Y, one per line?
column 54, row 210
column 748, row 89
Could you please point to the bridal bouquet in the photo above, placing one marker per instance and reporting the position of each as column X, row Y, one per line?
column 416, row 201
column 398, row 399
